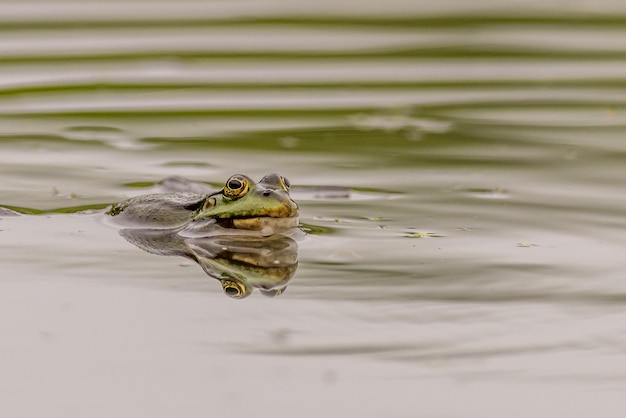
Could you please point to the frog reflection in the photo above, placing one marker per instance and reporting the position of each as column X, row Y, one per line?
column 240, row 234
column 241, row 263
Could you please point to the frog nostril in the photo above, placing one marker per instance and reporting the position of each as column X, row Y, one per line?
column 266, row 193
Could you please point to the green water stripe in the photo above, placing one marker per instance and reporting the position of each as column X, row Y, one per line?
column 434, row 21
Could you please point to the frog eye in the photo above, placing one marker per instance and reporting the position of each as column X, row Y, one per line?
column 234, row 289
column 285, row 184
column 236, row 187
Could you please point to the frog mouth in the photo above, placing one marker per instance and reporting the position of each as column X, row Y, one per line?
column 260, row 223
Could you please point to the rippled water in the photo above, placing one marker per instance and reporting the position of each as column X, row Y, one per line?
column 460, row 172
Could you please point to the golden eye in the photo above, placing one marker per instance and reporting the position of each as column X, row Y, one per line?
column 285, row 183
column 234, row 289
column 236, row 187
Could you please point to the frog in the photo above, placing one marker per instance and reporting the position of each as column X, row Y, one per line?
column 241, row 204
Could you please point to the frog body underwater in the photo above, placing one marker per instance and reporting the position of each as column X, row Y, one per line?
column 240, row 204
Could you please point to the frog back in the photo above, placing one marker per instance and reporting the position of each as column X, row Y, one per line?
column 157, row 211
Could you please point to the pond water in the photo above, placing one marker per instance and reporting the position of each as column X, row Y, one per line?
column 459, row 171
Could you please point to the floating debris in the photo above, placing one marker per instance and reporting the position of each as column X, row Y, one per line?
column 494, row 193
column 376, row 218
column 422, row 234
column 57, row 193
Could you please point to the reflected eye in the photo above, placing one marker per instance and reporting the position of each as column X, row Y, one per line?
column 234, row 289
column 285, row 183
column 236, row 187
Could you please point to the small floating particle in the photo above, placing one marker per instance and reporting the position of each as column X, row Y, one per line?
column 376, row 218
column 493, row 193
column 422, row 234
column 57, row 193
column 526, row 244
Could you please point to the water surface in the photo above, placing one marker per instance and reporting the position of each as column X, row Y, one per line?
column 460, row 173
